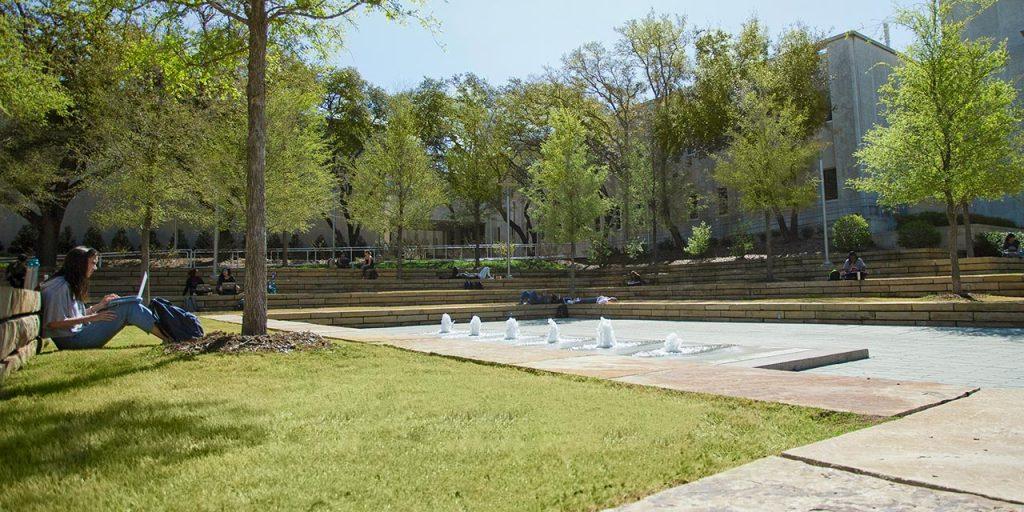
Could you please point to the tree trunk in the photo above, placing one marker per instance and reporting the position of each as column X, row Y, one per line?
column 572, row 269
column 769, row 263
column 216, row 249
column 285, row 240
column 254, row 316
column 781, row 221
column 968, row 232
column 794, row 228
column 401, row 250
column 954, row 257
column 677, row 237
column 627, row 221
column 147, row 225
column 48, row 228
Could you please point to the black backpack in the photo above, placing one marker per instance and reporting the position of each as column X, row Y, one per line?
column 562, row 311
column 175, row 322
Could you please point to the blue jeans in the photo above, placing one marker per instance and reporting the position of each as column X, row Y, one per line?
column 97, row 334
column 190, row 303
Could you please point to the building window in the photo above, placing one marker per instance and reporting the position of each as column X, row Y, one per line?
column 723, row 201
column 831, row 184
column 694, row 204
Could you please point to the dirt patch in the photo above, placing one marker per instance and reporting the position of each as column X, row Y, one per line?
column 234, row 343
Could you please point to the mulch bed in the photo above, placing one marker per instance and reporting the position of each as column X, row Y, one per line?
column 234, row 343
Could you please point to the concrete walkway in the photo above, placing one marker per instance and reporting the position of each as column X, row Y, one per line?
column 964, row 455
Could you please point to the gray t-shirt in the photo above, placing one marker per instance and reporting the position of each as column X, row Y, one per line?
column 59, row 304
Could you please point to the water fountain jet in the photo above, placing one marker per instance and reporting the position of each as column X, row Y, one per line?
column 446, row 323
column 605, row 334
column 474, row 326
column 672, row 343
column 553, row 334
column 511, row 329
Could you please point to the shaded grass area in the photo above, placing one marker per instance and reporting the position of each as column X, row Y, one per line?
column 359, row 427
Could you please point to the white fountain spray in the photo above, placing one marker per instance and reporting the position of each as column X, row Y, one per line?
column 605, row 334
column 446, row 323
column 511, row 329
column 553, row 335
column 474, row 326
column 672, row 343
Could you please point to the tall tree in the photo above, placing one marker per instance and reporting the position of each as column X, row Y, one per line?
column 394, row 186
column 767, row 160
column 952, row 131
column 474, row 163
column 298, row 22
column 566, row 187
column 355, row 111
column 611, row 79
column 658, row 44
column 28, row 90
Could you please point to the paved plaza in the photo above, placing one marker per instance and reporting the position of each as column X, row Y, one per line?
column 951, row 355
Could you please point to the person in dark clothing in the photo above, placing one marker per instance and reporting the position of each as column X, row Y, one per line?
column 16, row 271
column 1011, row 246
column 226, row 284
column 367, row 264
column 191, row 285
column 853, row 267
column 532, row 297
column 634, row 279
column 343, row 261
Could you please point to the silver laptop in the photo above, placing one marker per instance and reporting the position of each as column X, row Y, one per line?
column 135, row 299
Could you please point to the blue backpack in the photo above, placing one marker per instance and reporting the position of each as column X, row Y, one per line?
column 176, row 322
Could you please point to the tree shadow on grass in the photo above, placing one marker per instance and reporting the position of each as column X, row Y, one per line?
column 91, row 376
column 120, row 438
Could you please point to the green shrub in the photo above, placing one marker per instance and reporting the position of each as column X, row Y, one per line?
column 918, row 234
column 700, row 240
column 120, row 242
column 24, row 241
column 742, row 243
column 274, row 241
column 94, row 238
column 600, row 251
column 939, row 219
column 635, row 249
column 991, row 243
column 296, row 241
column 851, row 233
column 204, row 241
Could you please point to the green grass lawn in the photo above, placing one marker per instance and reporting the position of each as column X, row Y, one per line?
column 359, row 428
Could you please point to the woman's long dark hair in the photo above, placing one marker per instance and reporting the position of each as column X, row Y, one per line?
column 76, row 267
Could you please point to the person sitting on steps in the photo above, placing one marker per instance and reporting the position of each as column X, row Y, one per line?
column 485, row 273
column 226, row 284
column 191, row 289
column 853, row 268
column 1011, row 246
column 71, row 324
column 367, row 264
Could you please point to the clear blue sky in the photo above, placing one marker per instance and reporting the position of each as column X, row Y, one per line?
column 499, row 39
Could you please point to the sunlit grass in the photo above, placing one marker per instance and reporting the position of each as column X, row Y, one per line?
column 359, row 428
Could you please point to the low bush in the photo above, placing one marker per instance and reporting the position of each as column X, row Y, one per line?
column 919, row 234
column 851, row 233
column 699, row 241
column 939, row 219
column 741, row 242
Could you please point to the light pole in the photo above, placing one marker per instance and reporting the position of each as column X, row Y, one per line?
column 824, row 214
column 508, row 232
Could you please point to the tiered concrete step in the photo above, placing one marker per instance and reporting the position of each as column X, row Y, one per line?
column 19, row 328
column 412, row 315
column 995, row 284
column 865, row 311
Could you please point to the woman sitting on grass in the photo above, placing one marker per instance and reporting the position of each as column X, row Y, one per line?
column 72, row 325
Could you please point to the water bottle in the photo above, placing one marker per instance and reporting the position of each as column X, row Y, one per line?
column 32, row 274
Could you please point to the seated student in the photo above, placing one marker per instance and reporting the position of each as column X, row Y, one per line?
column 532, row 297
column 634, row 279
column 226, row 284
column 16, row 272
column 191, row 289
column 70, row 324
column 367, row 264
column 343, row 261
column 272, row 283
column 853, row 267
column 1011, row 246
